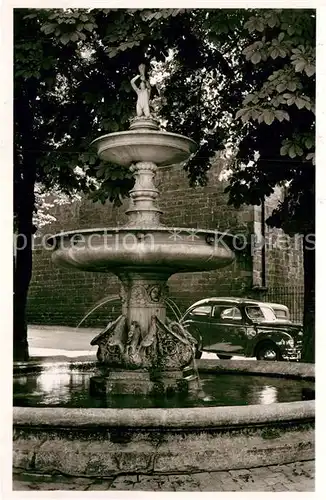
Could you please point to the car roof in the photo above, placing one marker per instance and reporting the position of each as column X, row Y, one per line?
column 227, row 300
column 274, row 304
column 234, row 301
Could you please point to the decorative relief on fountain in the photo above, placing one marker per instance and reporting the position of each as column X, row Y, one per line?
column 138, row 295
column 167, row 347
column 154, row 293
column 142, row 294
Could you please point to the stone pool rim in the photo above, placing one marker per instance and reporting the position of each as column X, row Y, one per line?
column 212, row 417
column 104, row 442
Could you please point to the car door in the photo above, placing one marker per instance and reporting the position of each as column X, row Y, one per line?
column 227, row 330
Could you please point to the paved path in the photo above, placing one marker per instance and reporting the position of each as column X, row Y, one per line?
column 298, row 476
column 50, row 341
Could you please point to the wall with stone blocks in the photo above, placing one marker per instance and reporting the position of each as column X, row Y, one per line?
column 62, row 297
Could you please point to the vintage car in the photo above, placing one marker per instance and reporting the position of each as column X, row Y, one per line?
column 242, row 327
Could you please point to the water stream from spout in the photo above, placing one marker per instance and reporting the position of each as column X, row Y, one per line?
column 104, row 301
column 172, row 305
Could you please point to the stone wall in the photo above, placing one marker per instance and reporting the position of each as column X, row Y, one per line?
column 63, row 297
column 278, row 267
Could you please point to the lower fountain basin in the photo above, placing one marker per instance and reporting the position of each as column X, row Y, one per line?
column 99, row 442
column 167, row 250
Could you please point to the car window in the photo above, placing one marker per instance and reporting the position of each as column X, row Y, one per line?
column 201, row 311
column 260, row 313
column 225, row 313
column 280, row 313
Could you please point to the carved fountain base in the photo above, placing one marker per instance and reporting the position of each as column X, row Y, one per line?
column 143, row 352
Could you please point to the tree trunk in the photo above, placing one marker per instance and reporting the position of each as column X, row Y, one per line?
column 24, row 208
column 308, row 352
column 22, row 278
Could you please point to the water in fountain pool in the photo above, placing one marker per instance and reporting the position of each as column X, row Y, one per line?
column 59, row 385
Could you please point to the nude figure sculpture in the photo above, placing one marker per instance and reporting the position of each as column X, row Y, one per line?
column 143, row 93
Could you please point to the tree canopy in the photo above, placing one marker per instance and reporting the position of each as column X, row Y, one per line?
column 259, row 101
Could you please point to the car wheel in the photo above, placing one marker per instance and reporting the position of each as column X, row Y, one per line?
column 223, row 356
column 268, row 351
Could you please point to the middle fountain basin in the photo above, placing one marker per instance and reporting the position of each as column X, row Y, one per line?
column 168, row 250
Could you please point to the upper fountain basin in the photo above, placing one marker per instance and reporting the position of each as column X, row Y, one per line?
column 133, row 146
column 168, row 250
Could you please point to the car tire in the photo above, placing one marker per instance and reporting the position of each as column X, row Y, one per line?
column 268, row 351
column 223, row 356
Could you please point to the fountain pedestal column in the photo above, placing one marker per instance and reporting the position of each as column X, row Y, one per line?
column 142, row 211
column 143, row 296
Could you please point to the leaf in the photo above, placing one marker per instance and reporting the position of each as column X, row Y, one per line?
column 240, row 113
column 300, row 103
column 30, row 16
column 281, row 36
column 244, row 114
column 274, row 54
column 65, row 38
column 48, row 28
column 310, row 69
column 279, row 115
column 309, row 142
column 298, row 150
column 284, row 150
column 268, row 116
column 291, row 86
column 280, row 87
column 112, row 52
column 255, row 114
column 272, row 20
column 256, row 58
column 299, row 65
column 291, row 30
column 89, row 26
column 311, row 156
column 248, row 98
column 74, row 37
column 273, row 76
column 292, row 151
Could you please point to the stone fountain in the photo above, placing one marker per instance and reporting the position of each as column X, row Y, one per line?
column 143, row 351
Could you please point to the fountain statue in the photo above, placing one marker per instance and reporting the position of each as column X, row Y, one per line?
column 143, row 92
column 143, row 351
